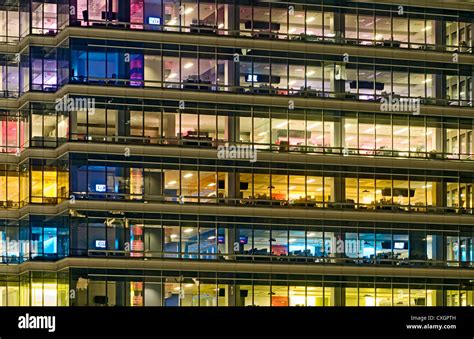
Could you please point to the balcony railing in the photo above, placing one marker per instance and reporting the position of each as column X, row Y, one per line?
column 263, row 256
column 263, row 201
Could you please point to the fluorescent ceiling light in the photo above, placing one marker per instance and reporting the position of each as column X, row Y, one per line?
column 314, row 125
column 400, row 131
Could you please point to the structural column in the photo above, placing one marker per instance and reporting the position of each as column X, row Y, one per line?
column 440, row 33
column 338, row 26
column 73, row 125
column 338, row 189
column 122, row 123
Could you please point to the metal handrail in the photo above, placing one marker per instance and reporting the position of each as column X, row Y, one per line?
column 273, row 203
column 269, row 35
column 238, row 257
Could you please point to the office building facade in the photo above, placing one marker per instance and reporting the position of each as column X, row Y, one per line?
column 236, row 153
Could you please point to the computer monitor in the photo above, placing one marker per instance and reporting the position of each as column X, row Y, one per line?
column 399, row 245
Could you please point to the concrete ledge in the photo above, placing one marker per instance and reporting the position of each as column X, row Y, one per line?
column 237, row 267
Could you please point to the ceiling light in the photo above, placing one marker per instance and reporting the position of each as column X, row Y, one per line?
column 188, row 175
column 212, row 184
column 310, row 181
column 172, row 182
column 310, row 73
column 188, row 10
column 188, row 230
column 310, row 19
column 188, row 65
column 400, row 131
column 313, row 125
column 212, row 237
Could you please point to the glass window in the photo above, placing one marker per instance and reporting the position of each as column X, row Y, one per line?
column 315, row 245
column 189, row 242
column 171, row 243
column 417, row 32
column 297, row 243
column 207, row 242
column 261, row 294
column 279, row 242
column 261, row 242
